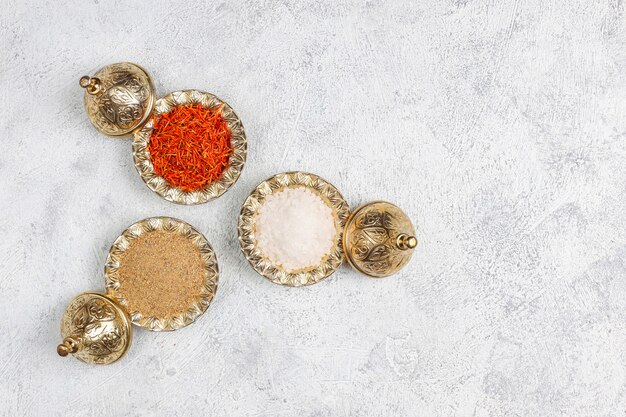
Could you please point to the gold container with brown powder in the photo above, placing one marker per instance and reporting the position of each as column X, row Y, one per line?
column 160, row 274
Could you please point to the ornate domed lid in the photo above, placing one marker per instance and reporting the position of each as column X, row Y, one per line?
column 119, row 98
column 95, row 329
column 378, row 239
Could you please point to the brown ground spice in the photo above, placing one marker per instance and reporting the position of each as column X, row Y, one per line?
column 160, row 274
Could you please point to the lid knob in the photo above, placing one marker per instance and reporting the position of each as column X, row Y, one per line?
column 378, row 239
column 68, row 346
column 405, row 241
column 92, row 85
column 119, row 98
column 95, row 329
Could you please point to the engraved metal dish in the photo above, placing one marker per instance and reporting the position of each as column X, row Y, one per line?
column 235, row 164
column 249, row 212
column 211, row 273
column 95, row 329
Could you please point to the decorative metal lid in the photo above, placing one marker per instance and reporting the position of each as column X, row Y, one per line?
column 119, row 98
column 95, row 329
column 378, row 239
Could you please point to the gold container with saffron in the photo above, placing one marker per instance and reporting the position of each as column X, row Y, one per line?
column 120, row 100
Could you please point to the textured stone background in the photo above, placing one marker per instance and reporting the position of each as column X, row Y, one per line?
column 499, row 126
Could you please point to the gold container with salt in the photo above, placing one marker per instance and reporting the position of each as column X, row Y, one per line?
column 281, row 243
column 160, row 274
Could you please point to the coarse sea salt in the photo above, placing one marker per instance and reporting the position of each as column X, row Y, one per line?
column 295, row 229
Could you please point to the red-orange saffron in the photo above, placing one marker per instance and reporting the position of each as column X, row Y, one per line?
column 190, row 146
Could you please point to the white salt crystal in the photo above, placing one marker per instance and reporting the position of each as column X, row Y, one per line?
column 295, row 228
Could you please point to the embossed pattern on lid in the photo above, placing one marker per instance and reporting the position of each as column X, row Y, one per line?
column 119, row 98
column 95, row 329
column 379, row 239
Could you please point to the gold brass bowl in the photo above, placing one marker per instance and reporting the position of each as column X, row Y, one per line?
column 246, row 228
column 235, row 164
column 211, row 273
column 377, row 239
column 120, row 100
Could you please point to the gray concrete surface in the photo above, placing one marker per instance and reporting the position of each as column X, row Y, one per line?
column 498, row 126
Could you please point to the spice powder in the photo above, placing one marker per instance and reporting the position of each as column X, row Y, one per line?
column 160, row 274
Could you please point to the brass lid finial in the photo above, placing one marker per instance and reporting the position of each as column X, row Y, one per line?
column 405, row 241
column 92, row 85
column 68, row 346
